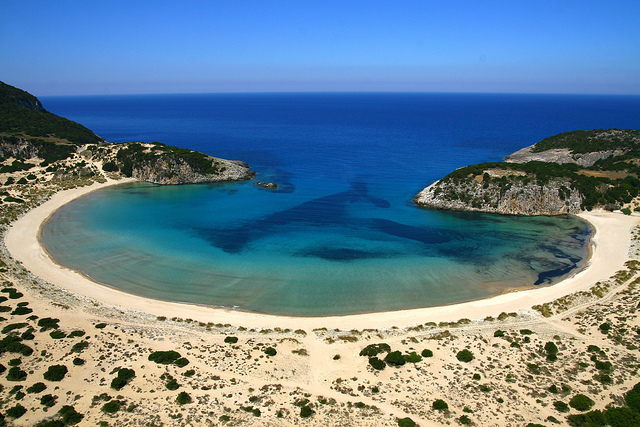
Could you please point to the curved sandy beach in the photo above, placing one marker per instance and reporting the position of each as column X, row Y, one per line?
column 610, row 251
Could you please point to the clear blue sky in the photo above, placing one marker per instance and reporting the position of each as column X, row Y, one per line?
column 117, row 47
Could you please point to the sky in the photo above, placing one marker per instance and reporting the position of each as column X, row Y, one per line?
column 69, row 47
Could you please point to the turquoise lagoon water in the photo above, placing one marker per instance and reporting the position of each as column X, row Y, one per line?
column 341, row 234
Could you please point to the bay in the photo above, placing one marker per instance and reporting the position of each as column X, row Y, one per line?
column 341, row 234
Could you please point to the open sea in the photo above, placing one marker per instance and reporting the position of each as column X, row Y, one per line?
column 340, row 235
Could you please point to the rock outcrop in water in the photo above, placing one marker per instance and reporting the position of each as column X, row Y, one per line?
column 564, row 174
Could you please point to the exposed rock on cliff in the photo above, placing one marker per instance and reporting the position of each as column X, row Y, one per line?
column 553, row 198
column 583, row 148
column 567, row 173
column 161, row 164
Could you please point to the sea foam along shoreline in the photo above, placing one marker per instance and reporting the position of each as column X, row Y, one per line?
column 610, row 242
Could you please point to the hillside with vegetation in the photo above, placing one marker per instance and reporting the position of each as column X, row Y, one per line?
column 567, row 173
column 30, row 136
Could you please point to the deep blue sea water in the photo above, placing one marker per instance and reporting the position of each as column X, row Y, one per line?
column 341, row 234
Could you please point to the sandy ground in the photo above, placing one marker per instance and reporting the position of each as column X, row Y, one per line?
column 610, row 246
column 317, row 364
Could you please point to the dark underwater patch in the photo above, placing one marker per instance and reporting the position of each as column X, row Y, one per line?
column 341, row 254
column 548, row 276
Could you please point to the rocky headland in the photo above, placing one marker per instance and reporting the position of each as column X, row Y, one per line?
column 30, row 136
column 565, row 174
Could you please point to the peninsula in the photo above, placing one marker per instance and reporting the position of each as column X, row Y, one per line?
column 565, row 174
column 73, row 352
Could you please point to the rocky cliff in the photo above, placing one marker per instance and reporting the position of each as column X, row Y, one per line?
column 564, row 174
column 165, row 165
column 171, row 171
column 531, row 198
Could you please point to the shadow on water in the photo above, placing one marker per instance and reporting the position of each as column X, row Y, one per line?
column 323, row 212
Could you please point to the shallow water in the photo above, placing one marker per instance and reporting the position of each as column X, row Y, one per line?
column 325, row 256
column 341, row 234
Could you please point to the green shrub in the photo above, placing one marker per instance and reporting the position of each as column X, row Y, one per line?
column 374, row 349
column 626, row 211
column 498, row 333
column 27, row 335
column 13, row 344
column 464, row 356
column 395, row 358
column 164, row 357
column 69, row 415
column 189, row 373
column 21, row 311
column 533, row 368
column 48, row 400
column 79, row 346
column 633, row 398
column 183, row 398
column 48, row 323
column 412, row 357
column 427, row 353
column 464, row 420
column 306, row 411
column 231, row 340
column 16, row 411
column 124, row 376
column 101, row 326
column 182, row 362
column 603, row 366
column 76, row 333
column 172, row 384
column 270, row 351
column 13, row 327
column 406, row 422
column 16, row 374
column 581, row 402
column 551, row 348
column 56, row 335
column 561, row 406
column 109, row 167
column 55, row 373
column 440, row 405
column 78, row 362
column 377, row 363
column 36, row 388
column 112, row 406
column 605, row 327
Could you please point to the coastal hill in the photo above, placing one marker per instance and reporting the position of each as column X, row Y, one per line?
column 30, row 136
column 564, row 174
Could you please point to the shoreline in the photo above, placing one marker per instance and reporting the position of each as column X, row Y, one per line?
column 609, row 246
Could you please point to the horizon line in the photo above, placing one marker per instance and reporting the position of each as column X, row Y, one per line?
column 316, row 92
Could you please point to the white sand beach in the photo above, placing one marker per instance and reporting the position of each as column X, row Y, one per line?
column 610, row 247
